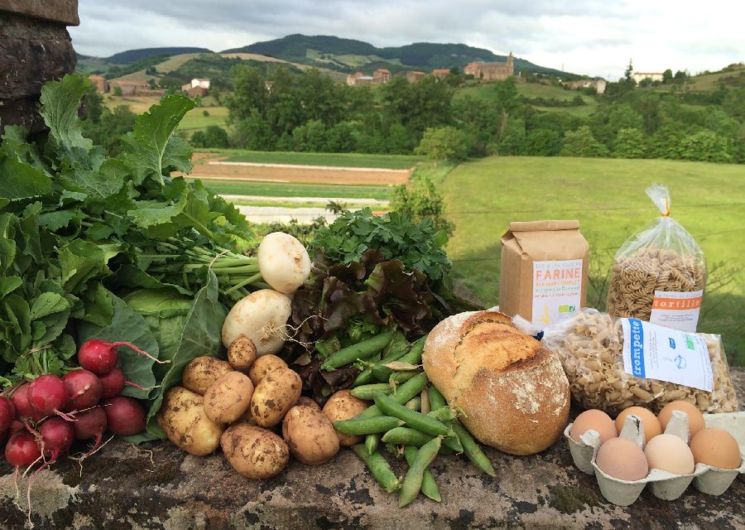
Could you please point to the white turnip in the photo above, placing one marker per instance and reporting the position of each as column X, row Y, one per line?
column 262, row 317
column 125, row 416
column 283, row 261
column 83, row 388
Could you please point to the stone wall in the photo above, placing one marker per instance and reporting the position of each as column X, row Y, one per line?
column 35, row 47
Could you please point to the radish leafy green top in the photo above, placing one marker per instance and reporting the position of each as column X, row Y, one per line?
column 78, row 229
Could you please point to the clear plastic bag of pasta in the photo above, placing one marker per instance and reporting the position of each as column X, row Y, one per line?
column 659, row 274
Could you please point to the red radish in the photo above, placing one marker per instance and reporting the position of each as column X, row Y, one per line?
column 83, row 388
column 16, row 426
column 91, row 424
column 7, row 413
column 57, row 436
column 112, row 383
column 22, row 404
column 124, row 415
column 46, row 395
column 22, row 450
column 100, row 356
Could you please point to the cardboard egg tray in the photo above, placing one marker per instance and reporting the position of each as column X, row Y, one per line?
column 664, row 485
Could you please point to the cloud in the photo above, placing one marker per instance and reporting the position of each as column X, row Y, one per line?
column 585, row 36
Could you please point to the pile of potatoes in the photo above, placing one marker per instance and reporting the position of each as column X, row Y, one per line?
column 237, row 405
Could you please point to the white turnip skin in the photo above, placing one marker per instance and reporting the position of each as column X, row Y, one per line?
column 84, row 390
column 262, row 317
column 283, row 262
column 46, row 395
column 125, row 416
column 7, row 414
column 112, row 383
column 57, row 436
column 90, row 425
column 22, row 450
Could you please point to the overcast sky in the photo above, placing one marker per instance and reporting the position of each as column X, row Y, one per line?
column 583, row 36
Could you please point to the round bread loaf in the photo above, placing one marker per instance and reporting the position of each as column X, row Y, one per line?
column 512, row 390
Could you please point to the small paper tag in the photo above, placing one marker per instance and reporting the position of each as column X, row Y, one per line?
column 665, row 354
column 677, row 310
column 557, row 290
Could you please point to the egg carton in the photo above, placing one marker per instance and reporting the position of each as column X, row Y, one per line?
column 664, row 485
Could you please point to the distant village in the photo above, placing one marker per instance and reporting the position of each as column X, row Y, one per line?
column 196, row 88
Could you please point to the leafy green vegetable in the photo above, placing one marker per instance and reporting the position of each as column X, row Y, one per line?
column 200, row 336
column 417, row 245
column 127, row 325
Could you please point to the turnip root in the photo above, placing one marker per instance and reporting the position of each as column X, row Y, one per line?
column 184, row 421
column 202, row 372
column 253, row 452
column 228, row 398
column 262, row 317
column 283, row 261
column 263, row 366
column 242, row 354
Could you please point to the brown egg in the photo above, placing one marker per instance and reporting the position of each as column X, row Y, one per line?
column 695, row 418
column 595, row 420
column 650, row 422
column 622, row 459
column 717, row 448
column 669, row 453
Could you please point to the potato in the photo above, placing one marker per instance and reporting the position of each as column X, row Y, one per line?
column 228, row 398
column 310, row 435
column 342, row 406
column 241, row 354
column 184, row 421
column 308, row 402
column 263, row 365
column 274, row 395
column 254, row 452
column 202, row 372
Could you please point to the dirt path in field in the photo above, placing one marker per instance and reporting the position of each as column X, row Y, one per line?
column 211, row 166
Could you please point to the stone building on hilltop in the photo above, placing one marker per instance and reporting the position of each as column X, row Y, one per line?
column 381, row 76
column 598, row 84
column 197, row 87
column 414, row 76
column 491, row 71
column 652, row 76
column 441, row 73
column 100, row 83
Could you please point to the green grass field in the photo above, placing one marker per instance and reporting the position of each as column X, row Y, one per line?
column 281, row 189
column 608, row 198
column 195, row 118
column 321, row 159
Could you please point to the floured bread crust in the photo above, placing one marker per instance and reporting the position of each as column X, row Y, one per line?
column 513, row 391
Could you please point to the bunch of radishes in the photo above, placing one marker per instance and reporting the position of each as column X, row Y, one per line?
column 43, row 417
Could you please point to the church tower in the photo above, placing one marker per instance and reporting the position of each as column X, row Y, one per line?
column 510, row 65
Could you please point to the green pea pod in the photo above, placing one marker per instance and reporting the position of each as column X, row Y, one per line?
column 473, row 451
column 413, row 419
column 367, row 425
column 403, row 394
column 368, row 391
column 406, row 436
column 443, row 414
column 429, row 486
column 379, row 468
column 397, row 378
column 371, row 443
column 361, row 350
column 413, row 356
column 414, row 403
column 415, row 475
column 436, row 399
column 363, row 378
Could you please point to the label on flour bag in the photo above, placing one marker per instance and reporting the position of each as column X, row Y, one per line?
column 676, row 309
column 665, row 354
column 557, row 290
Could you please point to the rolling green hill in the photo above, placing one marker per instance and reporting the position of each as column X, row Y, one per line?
column 349, row 54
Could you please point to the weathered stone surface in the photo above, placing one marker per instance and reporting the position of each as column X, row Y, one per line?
column 64, row 11
column 32, row 52
column 161, row 487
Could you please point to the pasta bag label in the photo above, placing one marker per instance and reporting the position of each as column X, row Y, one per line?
column 544, row 271
column 665, row 354
column 678, row 310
